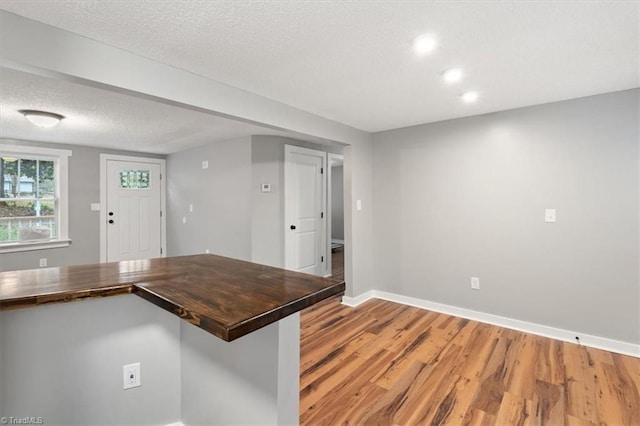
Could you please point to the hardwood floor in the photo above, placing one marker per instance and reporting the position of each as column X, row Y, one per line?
column 388, row 364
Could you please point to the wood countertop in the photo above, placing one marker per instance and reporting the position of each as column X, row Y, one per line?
column 226, row 297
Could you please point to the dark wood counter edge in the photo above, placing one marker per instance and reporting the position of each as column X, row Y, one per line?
column 64, row 296
column 243, row 328
column 210, row 325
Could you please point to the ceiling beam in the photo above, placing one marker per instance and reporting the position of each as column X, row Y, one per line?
column 44, row 50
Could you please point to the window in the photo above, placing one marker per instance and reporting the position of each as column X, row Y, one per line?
column 33, row 198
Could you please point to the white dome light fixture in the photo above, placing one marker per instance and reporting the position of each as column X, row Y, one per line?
column 452, row 75
column 41, row 118
column 469, row 97
column 424, row 44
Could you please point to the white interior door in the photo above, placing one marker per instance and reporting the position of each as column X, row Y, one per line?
column 133, row 210
column 305, row 210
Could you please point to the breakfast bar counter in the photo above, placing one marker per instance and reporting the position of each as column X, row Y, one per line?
column 64, row 362
column 226, row 297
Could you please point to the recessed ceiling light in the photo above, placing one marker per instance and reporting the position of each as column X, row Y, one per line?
column 41, row 118
column 469, row 97
column 424, row 44
column 452, row 75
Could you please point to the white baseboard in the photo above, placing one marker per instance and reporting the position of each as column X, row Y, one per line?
column 176, row 424
column 597, row 342
column 355, row 301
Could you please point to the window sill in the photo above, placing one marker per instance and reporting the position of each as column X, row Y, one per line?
column 17, row 247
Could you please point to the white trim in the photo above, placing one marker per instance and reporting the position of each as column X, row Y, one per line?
column 176, row 424
column 12, row 248
column 334, row 240
column 103, row 198
column 597, row 342
column 358, row 300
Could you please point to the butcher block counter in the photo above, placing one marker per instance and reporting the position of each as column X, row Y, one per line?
column 226, row 297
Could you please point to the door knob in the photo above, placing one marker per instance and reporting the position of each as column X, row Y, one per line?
column 110, row 213
column 110, row 220
column 293, row 227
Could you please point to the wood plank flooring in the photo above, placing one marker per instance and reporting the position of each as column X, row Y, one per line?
column 388, row 364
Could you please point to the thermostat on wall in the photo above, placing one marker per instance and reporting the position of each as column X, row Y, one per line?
column 266, row 187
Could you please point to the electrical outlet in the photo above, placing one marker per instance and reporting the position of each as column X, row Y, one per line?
column 205, row 164
column 131, row 376
column 43, row 262
column 475, row 283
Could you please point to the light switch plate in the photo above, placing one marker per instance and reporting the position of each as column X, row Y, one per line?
column 95, row 207
column 550, row 215
column 265, row 187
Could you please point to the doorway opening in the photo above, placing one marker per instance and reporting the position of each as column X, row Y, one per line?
column 336, row 215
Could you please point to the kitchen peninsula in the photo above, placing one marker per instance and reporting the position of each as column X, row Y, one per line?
column 63, row 361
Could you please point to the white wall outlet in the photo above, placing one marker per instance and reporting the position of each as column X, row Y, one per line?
column 43, row 262
column 190, row 208
column 184, row 219
column 95, row 207
column 207, row 251
column 475, row 283
column 550, row 215
column 359, row 205
column 205, row 164
column 265, row 187
column 131, row 376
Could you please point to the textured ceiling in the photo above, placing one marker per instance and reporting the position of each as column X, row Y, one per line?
column 352, row 62
column 96, row 117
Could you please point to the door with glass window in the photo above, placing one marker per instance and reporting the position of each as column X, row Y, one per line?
column 133, row 210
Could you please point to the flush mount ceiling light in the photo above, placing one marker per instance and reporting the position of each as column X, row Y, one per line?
column 41, row 118
column 424, row 44
column 469, row 97
column 452, row 75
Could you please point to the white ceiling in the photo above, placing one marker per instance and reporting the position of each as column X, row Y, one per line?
column 352, row 61
column 96, row 117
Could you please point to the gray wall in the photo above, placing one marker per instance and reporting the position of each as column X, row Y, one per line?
column 267, row 159
column 84, row 224
column 73, row 354
column 247, row 381
column 63, row 362
column 231, row 216
column 466, row 198
column 221, row 199
column 337, row 203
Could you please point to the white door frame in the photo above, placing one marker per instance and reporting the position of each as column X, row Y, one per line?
column 288, row 150
column 330, row 159
column 103, row 199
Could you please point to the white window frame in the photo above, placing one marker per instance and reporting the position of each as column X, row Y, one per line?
column 60, row 158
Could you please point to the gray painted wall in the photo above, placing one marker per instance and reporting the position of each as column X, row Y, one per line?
column 337, row 203
column 84, row 224
column 267, row 159
column 73, row 355
column 221, row 199
column 247, row 381
column 63, row 362
column 466, row 198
